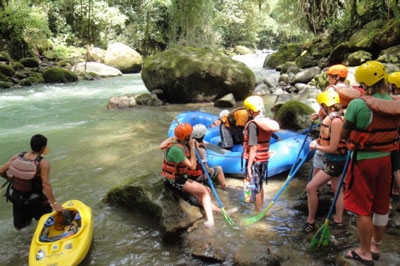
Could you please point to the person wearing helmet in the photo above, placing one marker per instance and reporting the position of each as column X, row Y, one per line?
column 334, row 152
column 218, row 121
column 257, row 134
column 232, row 127
column 371, row 137
column 30, row 190
column 179, row 157
column 394, row 87
column 197, row 174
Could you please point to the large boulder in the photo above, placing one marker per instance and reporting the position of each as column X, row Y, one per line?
column 359, row 57
column 99, row 69
column 189, row 74
column 240, row 49
column 59, row 75
column 96, row 54
column 306, row 60
column 124, row 58
column 122, row 102
column 340, row 53
column 5, row 57
column 6, row 70
column 286, row 52
column 389, row 35
column 148, row 99
column 364, row 38
column 149, row 196
column 294, row 115
column 306, row 75
column 29, row 62
column 36, row 78
column 390, row 55
column 254, row 252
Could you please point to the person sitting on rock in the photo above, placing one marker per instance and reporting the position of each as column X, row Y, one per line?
column 334, row 152
column 218, row 121
column 198, row 174
column 179, row 157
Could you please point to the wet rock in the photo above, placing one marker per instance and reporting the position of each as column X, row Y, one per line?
column 285, row 53
column 339, row 53
column 240, row 49
column 293, row 69
column 308, row 92
column 294, row 115
column 149, row 196
column 122, row 102
column 306, row 75
column 262, row 89
column 36, row 78
column 300, row 86
column 148, row 99
column 29, row 62
column 389, row 35
column 282, row 83
column 99, row 69
column 278, row 91
column 5, row 84
column 285, row 67
column 255, row 253
column 124, row 58
column 306, row 60
column 6, row 70
column 227, row 101
column 59, row 75
column 284, row 78
column 390, row 55
column 358, row 58
column 196, row 75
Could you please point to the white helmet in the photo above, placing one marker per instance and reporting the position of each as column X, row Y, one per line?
column 199, row 131
column 223, row 113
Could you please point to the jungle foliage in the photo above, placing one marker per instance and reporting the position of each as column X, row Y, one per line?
column 153, row 25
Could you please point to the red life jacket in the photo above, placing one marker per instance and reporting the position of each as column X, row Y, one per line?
column 23, row 172
column 325, row 132
column 169, row 169
column 193, row 173
column 381, row 135
column 263, row 137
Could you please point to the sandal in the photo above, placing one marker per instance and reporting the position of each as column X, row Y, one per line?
column 309, row 227
column 375, row 256
column 337, row 225
column 355, row 256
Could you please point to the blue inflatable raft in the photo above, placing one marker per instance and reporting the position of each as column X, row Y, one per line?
column 284, row 152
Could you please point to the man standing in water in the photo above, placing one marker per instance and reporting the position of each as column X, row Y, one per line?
column 257, row 135
column 30, row 189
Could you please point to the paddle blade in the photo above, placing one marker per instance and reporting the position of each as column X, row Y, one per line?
column 252, row 220
column 227, row 218
column 321, row 237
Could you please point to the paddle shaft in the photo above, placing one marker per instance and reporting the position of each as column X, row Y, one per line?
column 346, row 165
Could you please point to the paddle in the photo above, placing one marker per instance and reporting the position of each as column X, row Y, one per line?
column 229, row 220
column 257, row 217
column 321, row 237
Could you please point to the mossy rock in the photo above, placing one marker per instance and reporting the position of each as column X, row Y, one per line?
column 284, row 68
column 5, row 84
column 88, row 75
column 389, row 35
column 7, row 70
column 17, row 65
column 188, row 74
column 5, row 57
column 286, row 52
column 306, row 60
column 357, row 58
column 340, row 53
column 36, row 78
column 364, row 38
column 29, row 62
column 240, row 49
column 148, row 99
column 59, row 75
column 294, row 115
column 4, row 77
column 390, row 55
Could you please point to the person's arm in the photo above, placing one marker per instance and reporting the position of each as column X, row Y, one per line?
column 253, row 141
column 192, row 162
column 336, row 127
column 47, row 188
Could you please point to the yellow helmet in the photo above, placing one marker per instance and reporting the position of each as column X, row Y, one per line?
column 338, row 70
column 394, row 78
column 329, row 98
column 254, row 103
column 370, row 73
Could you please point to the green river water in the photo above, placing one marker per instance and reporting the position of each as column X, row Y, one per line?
column 92, row 149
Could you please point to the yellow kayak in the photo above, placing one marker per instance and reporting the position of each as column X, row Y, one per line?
column 62, row 239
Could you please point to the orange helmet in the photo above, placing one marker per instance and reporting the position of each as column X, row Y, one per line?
column 338, row 70
column 182, row 131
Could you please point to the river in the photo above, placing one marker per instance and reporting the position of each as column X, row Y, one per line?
column 92, row 149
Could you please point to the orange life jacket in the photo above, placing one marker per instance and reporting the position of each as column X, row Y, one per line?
column 236, row 118
column 24, row 172
column 325, row 132
column 381, row 135
column 263, row 138
column 193, row 173
column 169, row 169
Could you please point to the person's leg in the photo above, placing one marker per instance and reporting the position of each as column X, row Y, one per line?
column 202, row 194
column 221, row 177
column 396, row 185
column 339, row 202
column 226, row 137
column 365, row 232
column 312, row 195
column 377, row 236
column 21, row 215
